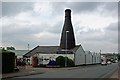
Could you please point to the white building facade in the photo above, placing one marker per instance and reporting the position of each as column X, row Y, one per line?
column 78, row 55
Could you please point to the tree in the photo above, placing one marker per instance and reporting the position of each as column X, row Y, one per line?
column 2, row 48
column 10, row 48
column 8, row 61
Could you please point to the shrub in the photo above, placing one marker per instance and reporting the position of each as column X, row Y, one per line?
column 8, row 61
column 61, row 61
column 21, row 62
column 119, row 57
column 70, row 62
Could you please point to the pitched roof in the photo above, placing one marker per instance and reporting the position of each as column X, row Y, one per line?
column 87, row 52
column 43, row 49
column 48, row 50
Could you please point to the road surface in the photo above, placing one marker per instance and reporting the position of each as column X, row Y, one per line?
column 97, row 71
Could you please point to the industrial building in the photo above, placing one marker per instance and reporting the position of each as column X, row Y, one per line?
column 67, row 48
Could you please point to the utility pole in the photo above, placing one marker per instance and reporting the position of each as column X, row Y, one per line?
column 66, row 50
column 100, row 56
column 28, row 47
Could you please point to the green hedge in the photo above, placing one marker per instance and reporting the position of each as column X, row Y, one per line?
column 8, row 61
column 61, row 61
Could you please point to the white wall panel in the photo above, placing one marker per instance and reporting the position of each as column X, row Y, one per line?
column 80, row 56
column 88, row 57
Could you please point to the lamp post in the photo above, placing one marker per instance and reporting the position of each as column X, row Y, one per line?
column 66, row 50
column 100, row 56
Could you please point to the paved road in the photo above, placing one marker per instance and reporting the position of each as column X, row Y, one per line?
column 86, row 72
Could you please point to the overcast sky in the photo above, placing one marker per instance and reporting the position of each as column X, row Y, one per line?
column 40, row 23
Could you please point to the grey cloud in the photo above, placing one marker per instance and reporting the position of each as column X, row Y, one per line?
column 108, row 8
column 76, row 6
column 26, row 30
column 94, row 40
column 10, row 30
column 19, row 38
column 91, row 35
column 110, row 34
column 19, row 42
column 111, row 6
column 112, row 27
column 24, row 36
column 83, row 6
column 119, row 8
column 57, row 28
column 0, row 9
column 13, row 8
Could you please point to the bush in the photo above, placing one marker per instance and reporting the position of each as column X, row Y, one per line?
column 61, row 61
column 8, row 61
column 20, row 62
column 119, row 57
column 70, row 63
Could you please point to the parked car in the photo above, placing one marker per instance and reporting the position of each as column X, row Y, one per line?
column 116, row 61
column 109, row 62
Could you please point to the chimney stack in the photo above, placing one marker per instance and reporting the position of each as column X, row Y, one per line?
column 67, row 13
column 67, row 37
